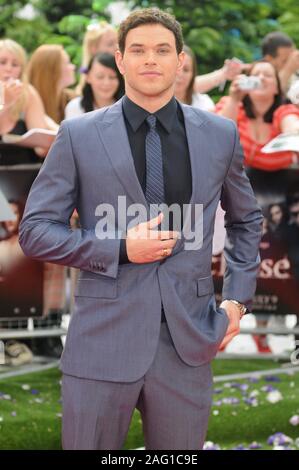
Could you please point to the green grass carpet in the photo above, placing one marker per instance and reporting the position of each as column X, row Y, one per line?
column 30, row 410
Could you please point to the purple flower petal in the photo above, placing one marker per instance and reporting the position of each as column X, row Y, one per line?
column 268, row 388
column 272, row 378
column 240, row 447
column 255, row 445
column 294, row 421
column 252, row 401
column 279, row 439
column 217, row 403
column 208, row 445
column 244, row 387
column 254, row 380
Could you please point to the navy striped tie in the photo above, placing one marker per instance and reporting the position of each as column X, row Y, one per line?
column 154, row 188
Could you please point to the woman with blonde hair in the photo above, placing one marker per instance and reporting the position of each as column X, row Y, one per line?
column 99, row 37
column 22, row 108
column 51, row 73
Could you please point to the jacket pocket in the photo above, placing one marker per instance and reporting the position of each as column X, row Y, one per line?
column 205, row 285
column 96, row 288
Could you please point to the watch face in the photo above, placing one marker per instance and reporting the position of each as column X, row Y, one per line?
column 243, row 309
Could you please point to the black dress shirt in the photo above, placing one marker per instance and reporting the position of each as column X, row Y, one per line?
column 175, row 152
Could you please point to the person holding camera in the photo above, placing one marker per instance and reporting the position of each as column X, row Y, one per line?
column 256, row 104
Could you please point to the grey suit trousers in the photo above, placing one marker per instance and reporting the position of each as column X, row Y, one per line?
column 174, row 400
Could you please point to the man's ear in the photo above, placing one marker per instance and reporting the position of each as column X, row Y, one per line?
column 181, row 60
column 119, row 61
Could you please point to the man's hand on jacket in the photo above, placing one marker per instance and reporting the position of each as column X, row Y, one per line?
column 145, row 245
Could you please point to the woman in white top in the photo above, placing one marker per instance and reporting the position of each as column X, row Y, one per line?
column 103, row 86
column 184, row 86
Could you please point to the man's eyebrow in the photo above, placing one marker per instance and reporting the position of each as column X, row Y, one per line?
column 164, row 44
column 135, row 44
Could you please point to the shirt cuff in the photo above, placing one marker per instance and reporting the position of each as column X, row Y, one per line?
column 123, row 257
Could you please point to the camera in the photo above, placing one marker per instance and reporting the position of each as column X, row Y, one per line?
column 250, row 83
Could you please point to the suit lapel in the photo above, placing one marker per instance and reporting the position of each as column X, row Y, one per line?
column 113, row 134
column 198, row 151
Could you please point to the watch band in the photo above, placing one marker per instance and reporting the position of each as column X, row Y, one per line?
column 242, row 308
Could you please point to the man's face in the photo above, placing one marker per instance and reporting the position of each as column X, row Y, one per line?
column 282, row 55
column 150, row 61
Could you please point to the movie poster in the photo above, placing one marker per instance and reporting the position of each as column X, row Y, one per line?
column 21, row 279
column 278, row 279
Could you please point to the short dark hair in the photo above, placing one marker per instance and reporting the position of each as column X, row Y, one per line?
column 150, row 16
column 106, row 59
column 273, row 41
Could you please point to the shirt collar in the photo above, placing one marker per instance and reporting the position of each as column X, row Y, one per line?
column 137, row 115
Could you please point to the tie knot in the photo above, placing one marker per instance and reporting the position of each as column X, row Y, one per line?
column 151, row 120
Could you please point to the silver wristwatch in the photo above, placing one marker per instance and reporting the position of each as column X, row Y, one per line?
column 242, row 308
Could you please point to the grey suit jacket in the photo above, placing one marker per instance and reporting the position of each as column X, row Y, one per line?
column 114, row 329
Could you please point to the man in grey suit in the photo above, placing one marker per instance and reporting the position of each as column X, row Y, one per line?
column 145, row 326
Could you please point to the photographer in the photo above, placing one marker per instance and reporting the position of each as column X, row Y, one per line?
column 260, row 115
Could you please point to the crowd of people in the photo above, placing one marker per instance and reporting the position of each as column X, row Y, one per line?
column 42, row 92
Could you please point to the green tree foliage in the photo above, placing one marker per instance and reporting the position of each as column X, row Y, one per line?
column 217, row 30
column 30, row 34
column 55, row 22
column 288, row 18
column 55, row 10
column 7, row 11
